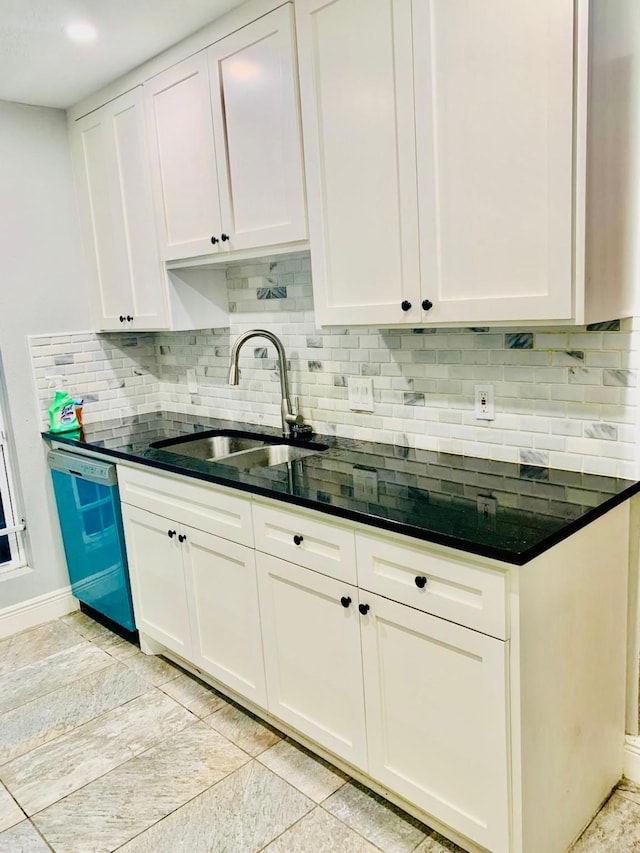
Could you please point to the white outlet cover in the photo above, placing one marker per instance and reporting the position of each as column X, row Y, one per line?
column 484, row 406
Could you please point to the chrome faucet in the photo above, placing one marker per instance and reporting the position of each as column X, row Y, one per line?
column 291, row 423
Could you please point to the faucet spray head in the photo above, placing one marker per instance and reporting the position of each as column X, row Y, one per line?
column 234, row 373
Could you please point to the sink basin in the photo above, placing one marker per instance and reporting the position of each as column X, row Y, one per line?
column 241, row 449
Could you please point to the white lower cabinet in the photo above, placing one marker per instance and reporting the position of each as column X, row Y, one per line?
column 157, row 579
column 196, row 594
column 225, row 622
column 488, row 699
column 311, row 637
column 436, row 704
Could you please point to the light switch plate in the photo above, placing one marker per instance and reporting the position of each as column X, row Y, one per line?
column 360, row 393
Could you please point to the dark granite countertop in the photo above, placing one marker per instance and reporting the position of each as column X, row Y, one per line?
column 437, row 497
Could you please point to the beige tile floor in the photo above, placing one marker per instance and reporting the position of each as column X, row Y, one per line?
column 103, row 748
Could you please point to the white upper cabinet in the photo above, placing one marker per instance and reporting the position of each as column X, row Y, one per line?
column 439, row 156
column 356, row 88
column 114, row 194
column 256, row 123
column 494, row 129
column 183, row 159
column 225, row 147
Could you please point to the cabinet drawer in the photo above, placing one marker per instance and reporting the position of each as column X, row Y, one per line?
column 205, row 507
column 470, row 595
column 299, row 538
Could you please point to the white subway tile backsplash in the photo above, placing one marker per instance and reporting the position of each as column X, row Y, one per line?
column 564, row 397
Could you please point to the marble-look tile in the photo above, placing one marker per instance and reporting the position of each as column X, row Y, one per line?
column 10, row 811
column 23, row 838
column 56, row 769
column 380, row 822
column 437, row 843
column 155, row 670
column 50, row 716
column 99, row 635
column 110, row 811
column 320, row 832
column 309, row 774
column 34, row 645
column 241, row 814
column 616, row 827
column 629, row 790
column 200, row 699
column 243, row 729
column 43, row 676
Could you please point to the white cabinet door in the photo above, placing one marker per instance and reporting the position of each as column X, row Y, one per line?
column 494, row 116
column 312, row 655
column 118, row 225
column 436, row 708
column 356, row 87
column 181, row 148
column 223, row 590
column 157, row 579
column 256, row 122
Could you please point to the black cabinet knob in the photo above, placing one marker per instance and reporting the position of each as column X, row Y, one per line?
column 345, row 601
column 421, row 582
column 298, row 539
column 364, row 609
column 214, row 240
column 406, row 306
column 129, row 317
column 224, row 237
column 182, row 537
column 427, row 305
column 171, row 533
column 122, row 318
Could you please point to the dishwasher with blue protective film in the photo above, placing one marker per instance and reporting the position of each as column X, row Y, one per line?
column 88, row 501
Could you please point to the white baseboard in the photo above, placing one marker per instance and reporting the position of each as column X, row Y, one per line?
column 632, row 758
column 35, row 611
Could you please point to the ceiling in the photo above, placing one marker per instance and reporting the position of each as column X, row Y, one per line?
column 40, row 65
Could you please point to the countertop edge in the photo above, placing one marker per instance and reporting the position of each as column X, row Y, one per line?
column 376, row 522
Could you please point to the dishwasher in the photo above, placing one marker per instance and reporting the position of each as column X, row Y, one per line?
column 88, row 502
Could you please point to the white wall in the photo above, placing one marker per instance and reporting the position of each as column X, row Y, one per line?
column 41, row 291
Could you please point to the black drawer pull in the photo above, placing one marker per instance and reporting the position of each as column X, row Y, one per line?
column 182, row 537
column 224, row 237
column 364, row 609
column 421, row 582
column 406, row 306
column 297, row 540
column 345, row 601
column 427, row 305
column 214, row 240
column 171, row 533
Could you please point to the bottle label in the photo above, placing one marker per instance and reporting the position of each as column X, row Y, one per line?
column 67, row 413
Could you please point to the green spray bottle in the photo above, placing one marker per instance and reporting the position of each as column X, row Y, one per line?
column 62, row 412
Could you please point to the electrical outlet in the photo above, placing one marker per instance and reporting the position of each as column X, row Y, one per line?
column 365, row 484
column 487, row 507
column 484, row 405
column 192, row 382
column 360, row 393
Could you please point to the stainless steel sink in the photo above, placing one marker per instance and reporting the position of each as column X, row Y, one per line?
column 243, row 450
column 270, row 454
